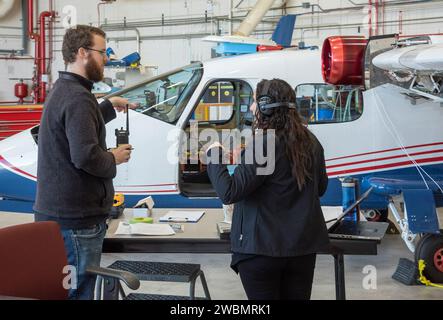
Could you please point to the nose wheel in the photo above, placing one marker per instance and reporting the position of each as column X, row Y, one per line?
column 430, row 249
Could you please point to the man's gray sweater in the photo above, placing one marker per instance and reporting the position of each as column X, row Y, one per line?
column 75, row 170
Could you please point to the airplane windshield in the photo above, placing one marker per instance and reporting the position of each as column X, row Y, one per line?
column 165, row 97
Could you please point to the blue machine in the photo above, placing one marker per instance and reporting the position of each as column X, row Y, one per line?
column 133, row 58
column 229, row 48
column 282, row 36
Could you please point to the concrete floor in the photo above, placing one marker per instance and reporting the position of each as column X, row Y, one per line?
column 225, row 284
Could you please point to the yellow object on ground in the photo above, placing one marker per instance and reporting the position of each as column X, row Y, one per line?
column 422, row 278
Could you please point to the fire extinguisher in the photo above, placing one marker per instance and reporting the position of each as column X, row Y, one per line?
column 21, row 91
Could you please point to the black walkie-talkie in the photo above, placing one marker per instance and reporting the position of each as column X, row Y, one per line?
column 123, row 135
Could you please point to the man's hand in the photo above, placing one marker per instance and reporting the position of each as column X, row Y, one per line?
column 120, row 103
column 122, row 154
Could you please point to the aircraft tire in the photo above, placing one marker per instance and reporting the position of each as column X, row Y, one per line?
column 431, row 251
column 419, row 245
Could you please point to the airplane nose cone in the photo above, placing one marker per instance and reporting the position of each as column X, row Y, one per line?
column 15, row 183
column 18, row 167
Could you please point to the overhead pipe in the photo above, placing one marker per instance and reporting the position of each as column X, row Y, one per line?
column 400, row 22
column 31, row 33
column 253, row 18
column 187, row 21
column 16, row 58
column 393, row 3
column 376, row 16
column 383, row 14
column 162, row 23
column 16, row 102
column 98, row 11
column 51, row 37
column 370, row 18
column 24, row 28
column 24, row 36
column 391, row 23
column 12, row 51
column 162, row 37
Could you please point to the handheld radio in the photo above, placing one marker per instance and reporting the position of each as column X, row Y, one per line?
column 123, row 135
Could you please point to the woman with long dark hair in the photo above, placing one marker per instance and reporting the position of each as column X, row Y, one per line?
column 277, row 225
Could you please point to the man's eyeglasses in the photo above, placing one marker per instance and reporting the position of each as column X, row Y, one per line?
column 102, row 52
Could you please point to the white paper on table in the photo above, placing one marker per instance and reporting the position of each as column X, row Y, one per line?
column 140, row 213
column 148, row 202
column 144, row 229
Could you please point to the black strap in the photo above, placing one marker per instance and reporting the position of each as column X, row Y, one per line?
column 279, row 105
column 266, row 88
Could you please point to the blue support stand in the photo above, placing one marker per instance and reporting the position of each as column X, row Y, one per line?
column 349, row 196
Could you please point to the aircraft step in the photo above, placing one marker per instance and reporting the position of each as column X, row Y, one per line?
column 164, row 271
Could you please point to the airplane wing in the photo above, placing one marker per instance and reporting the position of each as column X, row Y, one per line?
column 391, row 186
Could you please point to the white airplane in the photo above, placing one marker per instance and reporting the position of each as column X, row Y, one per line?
column 379, row 121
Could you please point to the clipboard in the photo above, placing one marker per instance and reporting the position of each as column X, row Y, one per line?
column 182, row 216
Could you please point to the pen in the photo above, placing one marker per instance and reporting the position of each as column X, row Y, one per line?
column 178, row 219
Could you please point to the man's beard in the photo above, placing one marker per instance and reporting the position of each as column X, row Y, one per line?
column 93, row 71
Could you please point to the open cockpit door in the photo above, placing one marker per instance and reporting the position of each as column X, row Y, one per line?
column 221, row 110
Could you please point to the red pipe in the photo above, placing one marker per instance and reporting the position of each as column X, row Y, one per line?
column 34, row 36
column 39, row 87
column 42, row 54
column 31, row 33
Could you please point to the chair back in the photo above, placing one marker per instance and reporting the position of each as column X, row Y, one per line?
column 32, row 259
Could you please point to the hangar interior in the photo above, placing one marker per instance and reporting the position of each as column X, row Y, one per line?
column 168, row 57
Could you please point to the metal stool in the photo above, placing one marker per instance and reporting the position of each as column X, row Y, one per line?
column 156, row 271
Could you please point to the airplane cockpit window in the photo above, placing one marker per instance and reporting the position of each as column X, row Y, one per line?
column 326, row 103
column 225, row 103
column 217, row 103
column 165, row 97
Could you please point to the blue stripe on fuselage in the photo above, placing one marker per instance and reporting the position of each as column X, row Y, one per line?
column 16, row 187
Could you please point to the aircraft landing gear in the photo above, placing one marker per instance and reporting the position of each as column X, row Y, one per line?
column 430, row 249
column 379, row 215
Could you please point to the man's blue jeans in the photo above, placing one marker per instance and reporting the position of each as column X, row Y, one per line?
column 84, row 249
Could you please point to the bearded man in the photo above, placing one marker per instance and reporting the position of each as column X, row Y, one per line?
column 75, row 168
